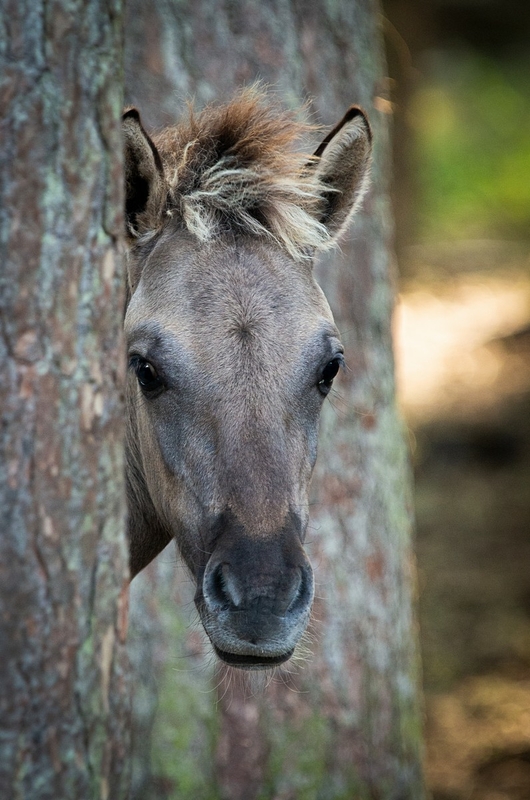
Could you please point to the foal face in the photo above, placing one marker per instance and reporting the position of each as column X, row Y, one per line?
column 232, row 349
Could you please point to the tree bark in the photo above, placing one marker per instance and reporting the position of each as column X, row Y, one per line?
column 63, row 559
column 348, row 724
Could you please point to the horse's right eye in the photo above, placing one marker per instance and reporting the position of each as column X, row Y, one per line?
column 147, row 375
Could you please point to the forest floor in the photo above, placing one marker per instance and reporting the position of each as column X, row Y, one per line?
column 463, row 356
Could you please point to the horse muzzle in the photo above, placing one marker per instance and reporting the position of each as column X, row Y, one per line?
column 255, row 598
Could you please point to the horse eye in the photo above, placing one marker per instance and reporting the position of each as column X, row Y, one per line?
column 328, row 373
column 147, row 376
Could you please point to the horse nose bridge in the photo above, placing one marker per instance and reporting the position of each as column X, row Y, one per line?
column 259, row 466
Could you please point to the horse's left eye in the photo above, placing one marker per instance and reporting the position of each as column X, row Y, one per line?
column 328, row 373
column 147, row 375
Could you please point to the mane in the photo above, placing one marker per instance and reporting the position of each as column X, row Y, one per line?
column 236, row 168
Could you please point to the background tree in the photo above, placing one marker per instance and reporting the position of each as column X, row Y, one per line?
column 63, row 688
column 453, row 62
column 348, row 723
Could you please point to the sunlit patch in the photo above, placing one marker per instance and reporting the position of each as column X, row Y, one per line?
column 446, row 353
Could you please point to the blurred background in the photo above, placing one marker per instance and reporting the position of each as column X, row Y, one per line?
column 459, row 75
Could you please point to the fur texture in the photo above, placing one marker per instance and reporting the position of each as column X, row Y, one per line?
column 236, row 168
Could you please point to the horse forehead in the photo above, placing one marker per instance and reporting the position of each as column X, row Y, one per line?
column 243, row 288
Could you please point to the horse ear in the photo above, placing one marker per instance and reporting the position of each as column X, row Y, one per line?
column 343, row 164
column 145, row 186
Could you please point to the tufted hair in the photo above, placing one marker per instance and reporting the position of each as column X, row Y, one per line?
column 235, row 167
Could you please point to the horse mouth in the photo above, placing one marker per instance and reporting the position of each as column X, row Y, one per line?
column 242, row 661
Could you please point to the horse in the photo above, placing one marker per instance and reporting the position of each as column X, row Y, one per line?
column 231, row 351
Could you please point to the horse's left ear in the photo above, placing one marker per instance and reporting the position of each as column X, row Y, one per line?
column 343, row 164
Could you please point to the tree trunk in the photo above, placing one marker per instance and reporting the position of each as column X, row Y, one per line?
column 63, row 560
column 348, row 724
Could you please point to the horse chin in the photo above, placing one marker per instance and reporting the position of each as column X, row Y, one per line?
column 252, row 662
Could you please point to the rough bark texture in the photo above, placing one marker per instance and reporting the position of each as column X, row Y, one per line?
column 63, row 563
column 348, row 724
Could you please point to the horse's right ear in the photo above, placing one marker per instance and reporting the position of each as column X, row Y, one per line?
column 145, row 185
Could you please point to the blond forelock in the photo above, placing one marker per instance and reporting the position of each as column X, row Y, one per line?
column 235, row 168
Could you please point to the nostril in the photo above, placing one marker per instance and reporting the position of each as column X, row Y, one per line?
column 219, row 587
column 215, row 588
column 295, row 591
column 302, row 593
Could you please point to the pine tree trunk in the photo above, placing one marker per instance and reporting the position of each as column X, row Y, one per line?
column 348, row 724
column 63, row 560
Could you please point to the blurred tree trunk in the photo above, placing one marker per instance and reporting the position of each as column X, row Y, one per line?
column 347, row 724
column 409, row 27
column 63, row 561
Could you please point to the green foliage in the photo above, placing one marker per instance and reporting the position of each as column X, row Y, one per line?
column 300, row 759
column 472, row 118
column 185, row 725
